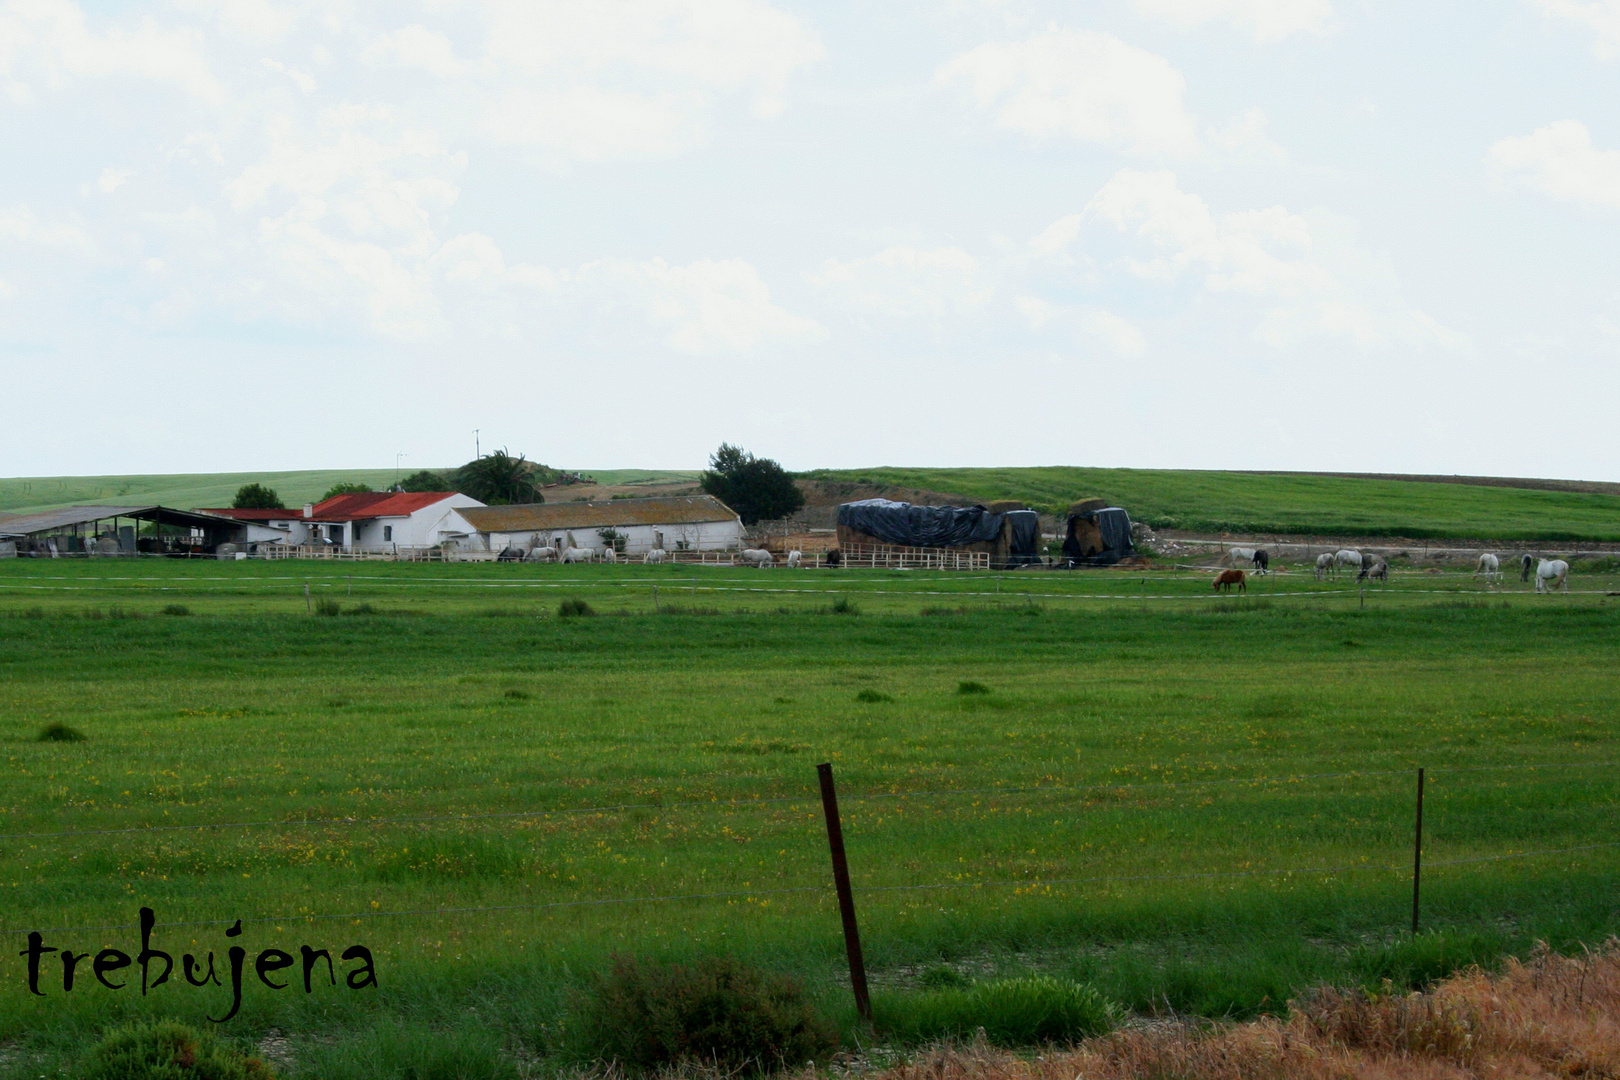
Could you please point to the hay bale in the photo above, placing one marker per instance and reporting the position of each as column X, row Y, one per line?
column 1086, row 506
column 1001, row 506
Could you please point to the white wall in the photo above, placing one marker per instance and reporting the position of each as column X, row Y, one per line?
column 428, row 527
column 705, row 536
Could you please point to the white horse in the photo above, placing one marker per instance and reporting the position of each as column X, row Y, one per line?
column 1552, row 575
column 795, row 559
column 541, row 554
column 656, row 556
column 757, row 557
column 1325, row 566
column 577, row 555
column 609, row 555
column 1490, row 566
column 1346, row 557
column 1238, row 555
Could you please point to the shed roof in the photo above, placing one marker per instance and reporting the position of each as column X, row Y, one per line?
column 239, row 514
column 66, row 517
column 540, row 517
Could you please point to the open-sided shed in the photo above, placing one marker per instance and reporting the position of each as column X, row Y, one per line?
column 117, row 530
column 1009, row 537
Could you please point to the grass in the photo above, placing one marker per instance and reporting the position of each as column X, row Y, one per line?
column 1125, row 740
column 1211, row 501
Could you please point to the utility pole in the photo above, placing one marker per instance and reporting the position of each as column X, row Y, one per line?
column 477, row 449
column 397, row 458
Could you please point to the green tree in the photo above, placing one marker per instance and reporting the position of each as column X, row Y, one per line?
column 499, row 479
column 757, row 488
column 345, row 487
column 422, row 480
column 256, row 497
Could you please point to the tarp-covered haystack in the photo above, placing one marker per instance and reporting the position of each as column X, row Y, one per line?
column 1009, row 537
column 1097, row 534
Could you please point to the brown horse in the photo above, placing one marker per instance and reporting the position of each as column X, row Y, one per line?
column 1228, row 578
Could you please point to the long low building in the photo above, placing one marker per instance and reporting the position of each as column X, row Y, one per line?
column 369, row 521
column 633, row 526
column 116, row 530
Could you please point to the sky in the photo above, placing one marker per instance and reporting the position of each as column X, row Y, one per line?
column 1364, row 235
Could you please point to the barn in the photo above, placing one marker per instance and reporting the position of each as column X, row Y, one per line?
column 116, row 530
column 635, row 526
column 1007, row 533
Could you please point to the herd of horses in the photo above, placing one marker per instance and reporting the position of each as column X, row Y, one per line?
column 1550, row 574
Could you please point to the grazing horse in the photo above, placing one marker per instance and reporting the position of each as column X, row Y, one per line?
column 609, row 555
column 1325, row 566
column 1552, row 575
column 1376, row 568
column 757, row 557
column 1525, row 562
column 1238, row 555
column 1228, row 578
column 1262, row 561
column 576, row 555
column 795, row 559
column 1490, row 566
column 1346, row 557
column 655, row 556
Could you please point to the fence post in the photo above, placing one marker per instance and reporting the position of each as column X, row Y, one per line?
column 846, row 898
column 1417, row 854
column 308, row 607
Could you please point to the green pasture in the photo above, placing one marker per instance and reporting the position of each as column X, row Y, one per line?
column 1190, row 801
column 1210, row 501
column 188, row 490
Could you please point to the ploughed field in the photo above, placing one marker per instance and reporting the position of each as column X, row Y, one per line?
column 1199, row 802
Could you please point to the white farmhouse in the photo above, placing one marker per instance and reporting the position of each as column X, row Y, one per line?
column 379, row 521
column 673, row 523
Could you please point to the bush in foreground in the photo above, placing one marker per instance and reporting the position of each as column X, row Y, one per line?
column 1013, row 1012
column 167, row 1051
column 716, row 1012
column 56, row 731
column 572, row 609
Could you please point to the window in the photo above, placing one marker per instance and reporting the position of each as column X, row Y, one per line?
column 388, row 533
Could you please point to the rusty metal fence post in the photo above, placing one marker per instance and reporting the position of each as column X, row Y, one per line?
column 1417, row 854
column 846, row 898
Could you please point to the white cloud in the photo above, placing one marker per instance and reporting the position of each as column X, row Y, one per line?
column 108, row 182
column 1559, row 160
column 592, row 124
column 1306, row 272
column 1119, row 334
column 709, row 306
column 907, row 282
column 301, row 79
column 20, row 226
column 1267, row 20
column 415, row 46
column 1602, row 16
column 1080, row 84
column 48, row 42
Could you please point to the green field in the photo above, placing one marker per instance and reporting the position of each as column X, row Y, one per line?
column 187, row 490
column 1184, row 750
column 1208, row 501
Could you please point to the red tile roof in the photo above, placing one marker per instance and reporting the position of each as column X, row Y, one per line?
column 364, row 505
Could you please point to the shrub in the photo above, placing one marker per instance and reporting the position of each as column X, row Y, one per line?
column 56, row 731
column 176, row 609
column 167, row 1051
column 395, row 1051
column 1012, row 1012
column 970, row 686
column 845, row 606
column 518, row 695
column 570, row 609
column 872, row 697
column 941, row 976
column 361, row 609
column 718, row 1012
column 328, row 607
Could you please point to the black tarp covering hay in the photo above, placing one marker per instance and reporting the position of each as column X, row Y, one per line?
column 1012, row 537
column 1097, row 537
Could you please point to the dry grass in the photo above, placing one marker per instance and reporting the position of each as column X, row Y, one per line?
column 1554, row 1016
